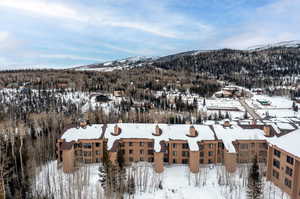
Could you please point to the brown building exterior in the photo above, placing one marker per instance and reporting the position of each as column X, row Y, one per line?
column 192, row 145
column 283, row 167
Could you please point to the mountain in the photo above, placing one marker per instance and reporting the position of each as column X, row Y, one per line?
column 274, row 60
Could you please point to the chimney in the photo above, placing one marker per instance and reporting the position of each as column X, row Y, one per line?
column 158, row 131
column 117, row 130
column 193, row 132
column 267, row 131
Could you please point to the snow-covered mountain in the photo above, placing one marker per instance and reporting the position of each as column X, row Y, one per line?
column 287, row 44
column 262, row 59
column 127, row 63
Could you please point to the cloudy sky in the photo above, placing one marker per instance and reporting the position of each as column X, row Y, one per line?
column 64, row 33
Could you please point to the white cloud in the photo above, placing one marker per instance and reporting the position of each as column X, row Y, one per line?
column 275, row 22
column 70, row 57
column 42, row 7
column 165, row 25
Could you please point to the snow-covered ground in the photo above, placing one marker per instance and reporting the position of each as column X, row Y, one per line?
column 213, row 182
column 280, row 106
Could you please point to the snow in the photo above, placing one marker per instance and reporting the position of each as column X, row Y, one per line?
column 285, row 126
column 289, row 142
column 143, row 131
column 213, row 182
column 235, row 132
column 276, row 102
column 90, row 132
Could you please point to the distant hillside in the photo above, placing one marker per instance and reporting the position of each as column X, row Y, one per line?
column 275, row 60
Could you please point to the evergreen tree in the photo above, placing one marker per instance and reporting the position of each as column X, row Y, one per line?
column 255, row 185
column 105, row 171
column 131, row 186
column 246, row 115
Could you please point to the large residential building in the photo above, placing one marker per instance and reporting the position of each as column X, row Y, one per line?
column 283, row 165
column 195, row 145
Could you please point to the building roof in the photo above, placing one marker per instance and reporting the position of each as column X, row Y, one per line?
column 289, row 142
column 235, row 132
column 142, row 131
column 90, row 132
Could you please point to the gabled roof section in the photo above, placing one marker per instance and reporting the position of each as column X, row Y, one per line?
column 289, row 142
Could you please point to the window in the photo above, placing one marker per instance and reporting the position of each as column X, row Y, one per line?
column 174, row 161
column 201, row 146
column 210, row 153
column 130, row 143
column 289, row 171
column 97, row 159
column 174, row 153
column 150, row 159
column 141, row 159
column 141, row 152
column 201, row 154
column 244, row 146
column 87, row 145
column 201, row 161
column 87, row 161
column 185, row 146
column 276, row 164
column 288, row 183
column 130, row 159
column 276, row 174
column 185, row 161
column 185, row 153
column 87, row 153
column 130, row 151
column 210, row 161
column 174, row 145
column 263, row 146
column 121, row 144
column 210, row 146
column 97, row 152
column 290, row 160
column 221, row 145
column 142, row 143
column 277, row 153
column 150, row 144
column 98, row 144
column 150, row 152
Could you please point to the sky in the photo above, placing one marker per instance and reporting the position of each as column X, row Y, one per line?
column 67, row 33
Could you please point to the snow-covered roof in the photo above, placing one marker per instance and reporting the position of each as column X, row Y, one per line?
column 289, row 142
column 235, row 132
column 90, row 132
column 169, row 132
column 136, row 130
column 285, row 126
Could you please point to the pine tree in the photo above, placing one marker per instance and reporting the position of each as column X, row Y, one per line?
column 105, row 171
column 131, row 186
column 255, row 185
column 246, row 115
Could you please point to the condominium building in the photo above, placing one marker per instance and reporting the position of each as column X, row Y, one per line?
column 283, row 165
column 194, row 145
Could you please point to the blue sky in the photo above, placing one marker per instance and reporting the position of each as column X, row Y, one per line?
column 65, row 33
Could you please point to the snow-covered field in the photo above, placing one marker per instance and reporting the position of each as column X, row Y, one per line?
column 276, row 102
column 177, row 183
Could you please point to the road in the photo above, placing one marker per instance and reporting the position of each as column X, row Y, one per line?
column 250, row 110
